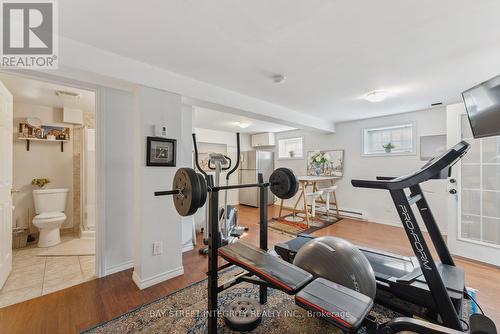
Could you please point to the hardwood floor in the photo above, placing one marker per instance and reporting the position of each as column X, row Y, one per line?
column 86, row 305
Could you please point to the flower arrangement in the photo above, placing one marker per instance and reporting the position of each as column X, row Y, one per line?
column 319, row 158
column 388, row 147
column 40, row 182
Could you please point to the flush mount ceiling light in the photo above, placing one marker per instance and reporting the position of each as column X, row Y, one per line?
column 243, row 124
column 279, row 78
column 376, row 96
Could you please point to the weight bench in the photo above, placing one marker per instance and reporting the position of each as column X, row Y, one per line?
column 341, row 306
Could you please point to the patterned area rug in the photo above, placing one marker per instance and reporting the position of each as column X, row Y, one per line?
column 185, row 312
column 296, row 224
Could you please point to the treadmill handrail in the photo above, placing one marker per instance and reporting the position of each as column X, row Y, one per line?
column 433, row 169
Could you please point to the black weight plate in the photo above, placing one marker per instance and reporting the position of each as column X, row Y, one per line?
column 203, row 187
column 294, row 187
column 283, row 182
column 243, row 314
column 188, row 201
column 280, row 182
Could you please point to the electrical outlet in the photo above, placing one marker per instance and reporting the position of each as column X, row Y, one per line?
column 157, row 248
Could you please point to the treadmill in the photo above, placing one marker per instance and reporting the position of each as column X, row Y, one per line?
column 436, row 289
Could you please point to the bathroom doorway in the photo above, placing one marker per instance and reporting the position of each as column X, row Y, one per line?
column 53, row 189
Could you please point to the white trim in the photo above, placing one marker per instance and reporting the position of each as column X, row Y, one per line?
column 86, row 234
column 397, row 154
column 414, row 149
column 478, row 242
column 146, row 283
column 398, row 224
column 99, row 152
column 100, row 170
column 119, row 267
column 188, row 247
column 285, row 159
column 302, row 138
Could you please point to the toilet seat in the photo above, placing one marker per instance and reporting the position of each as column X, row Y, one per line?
column 49, row 217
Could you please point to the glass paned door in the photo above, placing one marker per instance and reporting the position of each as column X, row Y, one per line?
column 480, row 189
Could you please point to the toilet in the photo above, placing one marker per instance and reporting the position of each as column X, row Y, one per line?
column 49, row 208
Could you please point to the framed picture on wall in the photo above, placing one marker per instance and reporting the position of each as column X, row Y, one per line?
column 161, row 152
column 325, row 163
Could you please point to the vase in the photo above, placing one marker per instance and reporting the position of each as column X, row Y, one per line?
column 317, row 170
column 388, row 150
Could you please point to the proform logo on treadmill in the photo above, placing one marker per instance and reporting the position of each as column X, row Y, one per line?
column 424, row 259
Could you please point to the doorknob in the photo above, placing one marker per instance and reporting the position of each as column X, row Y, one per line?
column 453, row 181
column 453, row 191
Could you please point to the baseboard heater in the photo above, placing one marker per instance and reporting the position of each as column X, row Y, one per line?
column 343, row 213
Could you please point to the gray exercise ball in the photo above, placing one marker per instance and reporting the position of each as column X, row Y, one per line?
column 339, row 261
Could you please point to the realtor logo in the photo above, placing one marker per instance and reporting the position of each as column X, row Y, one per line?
column 29, row 34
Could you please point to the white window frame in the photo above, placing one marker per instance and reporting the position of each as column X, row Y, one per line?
column 413, row 150
column 288, row 157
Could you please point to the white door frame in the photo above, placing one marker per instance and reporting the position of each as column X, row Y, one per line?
column 100, row 213
column 476, row 250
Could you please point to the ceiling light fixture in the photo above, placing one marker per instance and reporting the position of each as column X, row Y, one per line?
column 279, row 78
column 243, row 124
column 376, row 96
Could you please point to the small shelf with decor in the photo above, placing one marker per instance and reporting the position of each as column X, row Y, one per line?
column 43, row 133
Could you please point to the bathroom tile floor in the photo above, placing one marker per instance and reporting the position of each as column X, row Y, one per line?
column 33, row 276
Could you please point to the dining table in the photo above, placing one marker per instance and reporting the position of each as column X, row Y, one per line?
column 306, row 181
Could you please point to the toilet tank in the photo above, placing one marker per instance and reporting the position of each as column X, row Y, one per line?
column 50, row 200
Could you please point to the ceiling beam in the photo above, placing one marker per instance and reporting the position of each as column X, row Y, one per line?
column 291, row 119
column 82, row 57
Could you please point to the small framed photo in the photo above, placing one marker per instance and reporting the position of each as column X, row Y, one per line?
column 161, row 152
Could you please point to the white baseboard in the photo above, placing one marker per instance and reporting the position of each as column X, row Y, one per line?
column 86, row 234
column 396, row 224
column 119, row 267
column 150, row 281
column 188, row 247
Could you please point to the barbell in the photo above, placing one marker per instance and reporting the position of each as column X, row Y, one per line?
column 189, row 188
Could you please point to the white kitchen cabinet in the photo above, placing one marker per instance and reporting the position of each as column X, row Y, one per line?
column 263, row 139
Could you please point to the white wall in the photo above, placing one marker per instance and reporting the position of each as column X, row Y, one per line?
column 375, row 205
column 228, row 139
column 155, row 217
column 42, row 160
column 119, row 162
column 134, row 217
column 223, row 137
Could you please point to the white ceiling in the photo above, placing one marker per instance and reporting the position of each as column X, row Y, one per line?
column 332, row 52
column 216, row 120
column 31, row 91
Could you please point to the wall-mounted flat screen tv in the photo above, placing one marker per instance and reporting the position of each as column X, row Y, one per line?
column 483, row 108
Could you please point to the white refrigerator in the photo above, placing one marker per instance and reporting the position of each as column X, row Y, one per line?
column 253, row 163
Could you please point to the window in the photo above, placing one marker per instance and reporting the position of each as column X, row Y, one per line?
column 291, row 148
column 398, row 139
